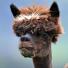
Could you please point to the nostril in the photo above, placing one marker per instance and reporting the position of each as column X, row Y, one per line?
column 25, row 39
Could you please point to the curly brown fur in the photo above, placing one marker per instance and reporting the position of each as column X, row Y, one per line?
column 37, row 27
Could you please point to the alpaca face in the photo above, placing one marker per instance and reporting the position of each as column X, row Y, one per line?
column 37, row 28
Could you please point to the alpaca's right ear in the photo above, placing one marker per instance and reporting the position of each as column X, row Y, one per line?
column 15, row 11
column 54, row 10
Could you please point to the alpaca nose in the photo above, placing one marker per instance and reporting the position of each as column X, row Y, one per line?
column 26, row 37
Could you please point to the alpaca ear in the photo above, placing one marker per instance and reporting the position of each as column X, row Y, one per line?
column 54, row 10
column 15, row 11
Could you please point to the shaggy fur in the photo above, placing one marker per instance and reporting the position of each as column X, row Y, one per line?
column 40, row 26
column 44, row 17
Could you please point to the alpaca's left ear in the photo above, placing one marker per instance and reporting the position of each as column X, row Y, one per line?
column 15, row 11
column 54, row 10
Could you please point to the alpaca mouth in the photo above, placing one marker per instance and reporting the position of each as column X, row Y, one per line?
column 27, row 51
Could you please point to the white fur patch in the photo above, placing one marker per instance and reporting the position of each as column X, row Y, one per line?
column 27, row 17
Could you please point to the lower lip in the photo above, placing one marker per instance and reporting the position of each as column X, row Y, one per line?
column 27, row 51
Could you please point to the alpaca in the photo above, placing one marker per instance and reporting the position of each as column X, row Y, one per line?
column 37, row 27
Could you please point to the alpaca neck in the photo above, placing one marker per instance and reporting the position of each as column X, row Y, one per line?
column 43, row 62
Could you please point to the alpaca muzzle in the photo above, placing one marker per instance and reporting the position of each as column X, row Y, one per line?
column 26, row 46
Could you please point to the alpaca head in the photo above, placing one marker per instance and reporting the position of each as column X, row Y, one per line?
column 37, row 27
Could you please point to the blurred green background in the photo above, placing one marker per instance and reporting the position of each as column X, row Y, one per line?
column 10, row 56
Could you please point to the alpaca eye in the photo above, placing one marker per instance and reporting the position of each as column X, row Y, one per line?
column 20, row 29
column 37, row 33
column 17, row 34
